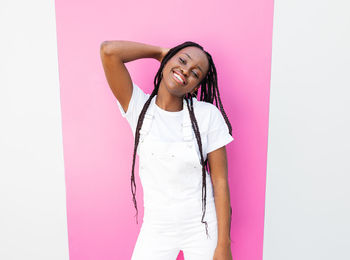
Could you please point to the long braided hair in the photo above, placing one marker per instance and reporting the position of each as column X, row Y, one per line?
column 209, row 93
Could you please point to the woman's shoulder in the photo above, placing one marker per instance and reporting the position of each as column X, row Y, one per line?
column 205, row 107
column 206, row 114
column 209, row 114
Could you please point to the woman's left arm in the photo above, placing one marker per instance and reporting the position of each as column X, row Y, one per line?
column 218, row 171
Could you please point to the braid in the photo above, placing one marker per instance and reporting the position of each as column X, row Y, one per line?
column 199, row 141
column 209, row 93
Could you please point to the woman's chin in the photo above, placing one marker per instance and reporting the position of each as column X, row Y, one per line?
column 172, row 84
column 174, row 89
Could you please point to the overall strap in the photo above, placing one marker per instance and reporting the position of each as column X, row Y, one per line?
column 186, row 124
column 148, row 119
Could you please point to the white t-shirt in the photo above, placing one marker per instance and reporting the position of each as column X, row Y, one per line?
column 166, row 125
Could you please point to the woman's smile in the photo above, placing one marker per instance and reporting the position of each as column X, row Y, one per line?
column 178, row 78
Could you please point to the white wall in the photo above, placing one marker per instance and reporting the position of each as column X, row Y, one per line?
column 32, row 182
column 307, row 211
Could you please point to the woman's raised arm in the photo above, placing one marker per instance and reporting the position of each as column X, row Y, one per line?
column 113, row 56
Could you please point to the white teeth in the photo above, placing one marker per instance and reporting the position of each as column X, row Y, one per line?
column 177, row 76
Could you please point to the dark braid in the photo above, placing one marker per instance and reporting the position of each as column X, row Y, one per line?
column 209, row 93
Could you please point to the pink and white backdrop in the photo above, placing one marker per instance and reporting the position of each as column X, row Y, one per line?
column 66, row 151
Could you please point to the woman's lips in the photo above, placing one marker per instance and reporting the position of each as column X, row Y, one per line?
column 177, row 80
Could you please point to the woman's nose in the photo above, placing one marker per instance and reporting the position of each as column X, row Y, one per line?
column 184, row 72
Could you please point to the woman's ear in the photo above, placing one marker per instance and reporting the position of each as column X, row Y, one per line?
column 194, row 90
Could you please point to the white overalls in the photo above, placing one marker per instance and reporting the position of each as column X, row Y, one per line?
column 171, row 177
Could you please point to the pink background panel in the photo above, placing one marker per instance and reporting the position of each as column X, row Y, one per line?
column 98, row 143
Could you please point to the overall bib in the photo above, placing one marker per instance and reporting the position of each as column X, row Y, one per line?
column 171, row 177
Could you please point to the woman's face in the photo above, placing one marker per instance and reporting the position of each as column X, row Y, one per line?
column 191, row 65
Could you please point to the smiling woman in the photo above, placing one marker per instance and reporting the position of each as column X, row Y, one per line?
column 179, row 140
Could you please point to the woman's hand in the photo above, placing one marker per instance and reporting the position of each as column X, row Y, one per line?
column 163, row 52
column 223, row 252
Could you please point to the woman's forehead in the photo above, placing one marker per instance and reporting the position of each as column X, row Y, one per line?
column 194, row 52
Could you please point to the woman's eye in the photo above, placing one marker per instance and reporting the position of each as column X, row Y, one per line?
column 184, row 62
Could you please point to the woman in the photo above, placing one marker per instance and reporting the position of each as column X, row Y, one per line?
column 176, row 137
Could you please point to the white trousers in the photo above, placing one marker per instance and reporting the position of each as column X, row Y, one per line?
column 164, row 233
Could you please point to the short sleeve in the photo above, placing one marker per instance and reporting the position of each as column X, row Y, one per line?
column 137, row 101
column 218, row 133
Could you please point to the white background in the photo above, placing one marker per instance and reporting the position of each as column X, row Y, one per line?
column 307, row 210
column 33, row 221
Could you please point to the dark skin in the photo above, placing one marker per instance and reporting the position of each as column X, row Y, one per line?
column 170, row 98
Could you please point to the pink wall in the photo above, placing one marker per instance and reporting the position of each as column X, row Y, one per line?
column 98, row 142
